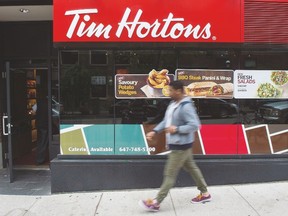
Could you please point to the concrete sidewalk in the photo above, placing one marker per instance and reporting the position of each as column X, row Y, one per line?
column 232, row 200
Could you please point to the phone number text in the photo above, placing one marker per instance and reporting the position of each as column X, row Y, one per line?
column 137, row 149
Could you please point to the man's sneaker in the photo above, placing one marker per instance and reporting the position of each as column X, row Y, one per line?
column 149, row 205
column 201, row 199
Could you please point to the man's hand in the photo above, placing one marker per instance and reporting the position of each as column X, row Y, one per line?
column 150, row 135
column 171, row 129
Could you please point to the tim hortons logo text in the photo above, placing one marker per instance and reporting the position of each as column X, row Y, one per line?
column 170, row 27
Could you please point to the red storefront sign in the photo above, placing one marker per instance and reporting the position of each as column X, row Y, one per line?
column 147, row 21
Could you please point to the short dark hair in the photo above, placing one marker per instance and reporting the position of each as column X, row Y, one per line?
column 177, row 85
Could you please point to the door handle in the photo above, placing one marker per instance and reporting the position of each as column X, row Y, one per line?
column 4, row 126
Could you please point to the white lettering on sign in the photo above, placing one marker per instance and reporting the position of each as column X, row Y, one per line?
column 121, row 82
column 158, row 29
column 93, row 28
column 170, row 27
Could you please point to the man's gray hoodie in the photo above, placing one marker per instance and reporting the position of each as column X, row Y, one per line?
column 186, row 120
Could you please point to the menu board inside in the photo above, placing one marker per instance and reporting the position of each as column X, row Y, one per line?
column 153, row 85
column 207, row 83
column 261, row 84
column 201, row 83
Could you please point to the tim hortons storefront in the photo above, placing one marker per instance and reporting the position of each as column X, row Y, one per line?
column 116, row 59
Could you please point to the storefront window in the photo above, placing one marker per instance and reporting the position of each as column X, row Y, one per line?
column 208, row 59
column 94, row 121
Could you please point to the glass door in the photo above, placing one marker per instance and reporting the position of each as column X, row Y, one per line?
column 17, row 122
column 7, row 124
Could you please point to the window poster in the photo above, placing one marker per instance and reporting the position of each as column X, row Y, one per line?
column 207, row 83
column 261, row 84
column 153, row 85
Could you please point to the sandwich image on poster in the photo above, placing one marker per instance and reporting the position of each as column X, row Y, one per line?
column 207, row 83
column 261, row 84
column 155, row 84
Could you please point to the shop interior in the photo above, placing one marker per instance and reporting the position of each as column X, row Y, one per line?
column 88, row 94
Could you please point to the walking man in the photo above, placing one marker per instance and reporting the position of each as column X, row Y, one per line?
column 180, row 124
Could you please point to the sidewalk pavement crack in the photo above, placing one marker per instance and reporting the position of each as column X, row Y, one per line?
column 98, row 204
column 27, row 210
column 173, row 204
column 246, row 201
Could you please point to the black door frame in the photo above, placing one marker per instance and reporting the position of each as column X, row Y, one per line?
column 7, row 124
column 6, row 119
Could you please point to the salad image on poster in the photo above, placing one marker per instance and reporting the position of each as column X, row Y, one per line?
column 261, row 84
column 207, row 83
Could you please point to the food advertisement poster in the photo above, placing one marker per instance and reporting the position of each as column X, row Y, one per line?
column 153, row 85
column 207, row 83
column 260, row 84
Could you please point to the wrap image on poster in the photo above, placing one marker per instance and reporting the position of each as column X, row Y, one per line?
column 260, row 84
column 207, row 83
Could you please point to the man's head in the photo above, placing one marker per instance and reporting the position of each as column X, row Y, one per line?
column 176, row 90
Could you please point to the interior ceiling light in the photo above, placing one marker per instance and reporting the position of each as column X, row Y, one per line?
column 24, row 10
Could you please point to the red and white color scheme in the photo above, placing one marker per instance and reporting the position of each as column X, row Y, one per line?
column 208, row 21
column 147, row 21
column 186, row 21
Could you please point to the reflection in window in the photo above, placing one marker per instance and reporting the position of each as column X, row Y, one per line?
column 122, row 58
column 69, row 57
column 98, row 57
column 87, row 80
column 208, row 59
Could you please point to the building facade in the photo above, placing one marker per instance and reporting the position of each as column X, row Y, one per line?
column 100, row 69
